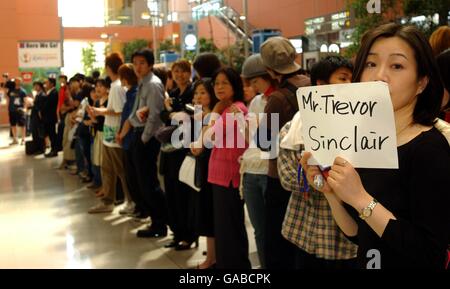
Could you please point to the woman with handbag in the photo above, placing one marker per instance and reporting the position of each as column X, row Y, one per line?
column 179, row 196
column 204, row 96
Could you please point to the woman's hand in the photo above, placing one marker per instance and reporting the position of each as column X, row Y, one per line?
column 90, row 112
column 119, row 138
column 346, row 183
column 234, row 109
column 168, row 104
column 312, row 172
column 221, row 106
column 196, row 149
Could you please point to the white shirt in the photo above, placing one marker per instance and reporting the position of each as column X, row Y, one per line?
column 253, row 161
column 116, row 101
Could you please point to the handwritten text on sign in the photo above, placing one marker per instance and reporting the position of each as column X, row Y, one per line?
column 354, row 121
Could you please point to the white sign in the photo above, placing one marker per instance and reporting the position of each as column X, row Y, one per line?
column 354, row 121
column 39, row 54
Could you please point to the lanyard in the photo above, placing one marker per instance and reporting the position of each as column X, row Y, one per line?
column 301, row 175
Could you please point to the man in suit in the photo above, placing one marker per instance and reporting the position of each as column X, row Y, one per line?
column 49, row 116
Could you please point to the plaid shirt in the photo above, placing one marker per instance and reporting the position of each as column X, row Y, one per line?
column 308, row 222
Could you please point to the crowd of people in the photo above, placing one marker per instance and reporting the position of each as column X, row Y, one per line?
column 116, row 133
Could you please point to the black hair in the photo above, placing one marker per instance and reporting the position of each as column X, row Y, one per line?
column 95, row 74
column 146, row 53
column 86, row 90
column 323, row 69
column 429, row 101
column 103, row 82
column 206, row 64
column 52, row 81
column 75, row 78
column 40, row 84
column 80, row 76
column 63, row 76
column 235, row 80
column 209, row 88
column 10, row 85
column 89, row 80
column 162, row 74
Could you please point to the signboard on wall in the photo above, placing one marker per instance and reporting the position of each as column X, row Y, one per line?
column 36, row 54
column 29, row 75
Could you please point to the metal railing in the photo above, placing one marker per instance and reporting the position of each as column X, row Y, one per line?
column 230, row 17
column 233, row 19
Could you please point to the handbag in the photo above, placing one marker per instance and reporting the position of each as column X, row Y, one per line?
column 198, row 176
column 187, row 172
column 164, row 134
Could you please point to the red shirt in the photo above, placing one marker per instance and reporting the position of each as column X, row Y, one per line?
column 269, row 91
column 224, row 161
column 62, row 96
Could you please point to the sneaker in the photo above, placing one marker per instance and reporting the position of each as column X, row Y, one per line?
column 127, row 209
column 101, row 208
column 51, row 154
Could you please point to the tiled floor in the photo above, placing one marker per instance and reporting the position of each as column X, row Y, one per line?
column 44, row 224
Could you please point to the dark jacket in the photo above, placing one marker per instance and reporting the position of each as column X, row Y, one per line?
column 49, row 109
column 283, row 101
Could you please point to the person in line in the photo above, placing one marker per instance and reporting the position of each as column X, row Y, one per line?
column 49, row 116
column 278, row 55
column 205, row 65
column 129, row 81
column 37, row 130
column 179, row 196
column 144, row 147
column 308, row 222
column 204, row 96
column 112, row 163
column 223, row 173
column 254, row 167
column 401, row 213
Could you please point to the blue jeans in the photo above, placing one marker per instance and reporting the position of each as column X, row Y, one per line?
column 96, row 170
column 96, row 175
column 254, row 190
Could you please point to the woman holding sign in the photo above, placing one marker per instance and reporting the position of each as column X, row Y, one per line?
column 399, row 218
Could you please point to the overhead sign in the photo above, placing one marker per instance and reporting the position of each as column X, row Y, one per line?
column 39, row 54
column 354, row 121
column 189, row 37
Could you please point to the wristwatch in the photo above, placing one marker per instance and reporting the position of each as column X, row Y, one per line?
column 367, row 211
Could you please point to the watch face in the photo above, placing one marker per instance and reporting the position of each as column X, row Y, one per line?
column 366, row 212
